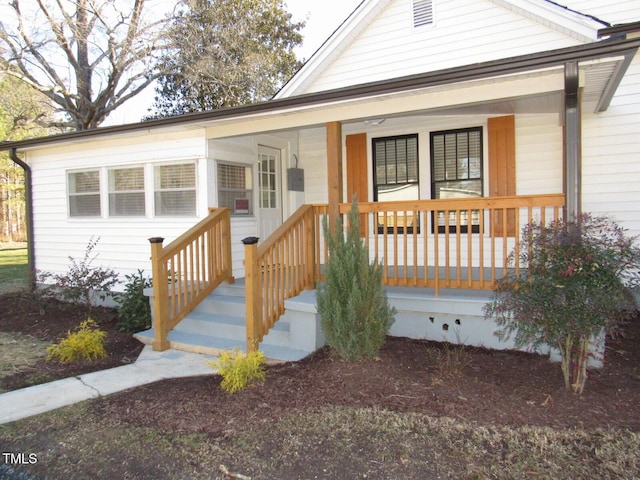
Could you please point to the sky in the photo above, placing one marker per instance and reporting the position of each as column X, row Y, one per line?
column 322, row 18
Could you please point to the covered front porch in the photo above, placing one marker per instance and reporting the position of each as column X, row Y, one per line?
column 440, row 261
column 446, row 169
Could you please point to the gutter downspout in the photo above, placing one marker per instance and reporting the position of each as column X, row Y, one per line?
column 572, row 147
column 28, row 194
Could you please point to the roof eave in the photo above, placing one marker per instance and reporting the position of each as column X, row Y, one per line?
column 626, row 48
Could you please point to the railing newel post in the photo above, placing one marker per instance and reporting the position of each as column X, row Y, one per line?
column 226, row 239
column 310, row 246
column 252, row 292
column 160, row 296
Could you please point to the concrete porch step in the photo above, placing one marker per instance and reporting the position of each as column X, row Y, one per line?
column 211, row 345
column 230, row 327
column 218, row 323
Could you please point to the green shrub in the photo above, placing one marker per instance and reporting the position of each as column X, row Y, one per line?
column 239, row 370
column 86, row 343
column 133, row 306
column 575, row 289
column 354, row 311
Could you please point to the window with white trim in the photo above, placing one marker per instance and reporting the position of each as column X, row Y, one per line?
column 126, row 192
column 175, row 189
column 235, row 188
column 84, row 193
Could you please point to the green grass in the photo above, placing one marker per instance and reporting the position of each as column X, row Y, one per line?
column 14, row 272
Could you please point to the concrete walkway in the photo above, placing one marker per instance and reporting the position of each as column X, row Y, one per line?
column 148, row 368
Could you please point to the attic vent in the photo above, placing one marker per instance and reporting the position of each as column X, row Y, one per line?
column 422, row 13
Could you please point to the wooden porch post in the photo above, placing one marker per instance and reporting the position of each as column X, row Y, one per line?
column 334, row 170
column 160, row 296
column 253, row 294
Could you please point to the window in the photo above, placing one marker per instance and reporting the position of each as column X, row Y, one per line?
column 395, row 162
column 126, row 192
column 456, row 172
column 84, row 193
column 235, row 188
column 175, row 189
column 422, row 13
column 267, row 181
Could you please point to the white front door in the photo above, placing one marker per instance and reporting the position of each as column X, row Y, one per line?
column 269, row 191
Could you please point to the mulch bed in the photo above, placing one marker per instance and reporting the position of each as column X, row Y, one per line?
column 488, row 387
column 51, row 320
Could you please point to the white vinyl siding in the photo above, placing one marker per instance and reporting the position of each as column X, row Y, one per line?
column 466, row 33
column 84, row 193
column 126, row 192
column 620, row 11
column 123, row 243
column 610, row 153
column 175, row 189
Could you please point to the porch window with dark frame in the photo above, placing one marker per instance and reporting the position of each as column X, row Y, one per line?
column 456, row 172
column 395, row 163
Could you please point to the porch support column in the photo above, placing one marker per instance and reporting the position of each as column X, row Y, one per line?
column 572, row 141
column 334, row 170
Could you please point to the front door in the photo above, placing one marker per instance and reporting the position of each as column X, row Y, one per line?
column 269, row 191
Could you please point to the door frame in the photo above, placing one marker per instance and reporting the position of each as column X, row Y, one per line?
column 275, row 143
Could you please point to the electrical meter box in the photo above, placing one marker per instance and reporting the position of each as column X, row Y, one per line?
column 295, row 179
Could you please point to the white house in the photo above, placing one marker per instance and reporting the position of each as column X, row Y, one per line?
column 452, row 122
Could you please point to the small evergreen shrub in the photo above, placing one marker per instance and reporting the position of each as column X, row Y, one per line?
column 133, row 306
column 575, row 289
column 86, row 343
column 239, row 370
column 354, row 311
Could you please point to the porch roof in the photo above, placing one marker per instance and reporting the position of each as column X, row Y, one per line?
column 603, row 64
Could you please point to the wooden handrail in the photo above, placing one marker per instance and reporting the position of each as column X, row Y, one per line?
column 444, row 243
column 450, row 243
column 277, row 269
column 188, row 269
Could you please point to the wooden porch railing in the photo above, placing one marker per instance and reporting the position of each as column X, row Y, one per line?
column 277, row 269
column 446, row 243
column 187, row 270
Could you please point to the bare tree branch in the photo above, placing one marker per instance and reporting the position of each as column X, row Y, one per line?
column 87, row 56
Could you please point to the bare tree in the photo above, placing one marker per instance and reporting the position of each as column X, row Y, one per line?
column 87, row 56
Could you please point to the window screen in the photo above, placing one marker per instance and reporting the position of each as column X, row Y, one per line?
column 126, row 192
column 84, row 193
column 235, row 190
column 175, row 189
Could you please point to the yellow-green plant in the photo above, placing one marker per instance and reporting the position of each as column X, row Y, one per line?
column 86, row 343
column 239, row 369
